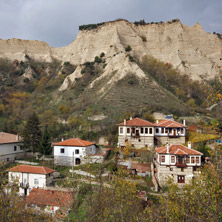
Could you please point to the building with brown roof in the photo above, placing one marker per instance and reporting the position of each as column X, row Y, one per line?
column 50, row 200
column 73, row 152
column 10, row 147
column 169, row 131
column 178, row 162
column 137, row 132
column 141, row 133
column 29, row 177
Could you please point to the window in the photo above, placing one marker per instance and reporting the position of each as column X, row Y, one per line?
column 181, row 179
column 133, row 130
column 192, row 160
column 128, row 130
column 77, row 151
column 62, row 150
column 172, row 159
column 15, row 148
column 36, row 182
column 188, row 159
column 162, row 130
column 170, row 130
column 181, row 130
column 146, row 130
column 171, row 168
column 141, row 130
column 162, row 159
column 166, row 130
column 157, row 130
column 182, row 169
column 121, row 130
column 197, row 159
column 151, row 130
column 7, row 159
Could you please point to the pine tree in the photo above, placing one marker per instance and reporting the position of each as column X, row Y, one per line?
column 45, row 145
column 32, row 134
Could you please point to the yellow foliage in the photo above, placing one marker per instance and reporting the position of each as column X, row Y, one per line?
column 199, row 137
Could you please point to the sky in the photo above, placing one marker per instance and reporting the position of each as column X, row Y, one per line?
column 57, row 21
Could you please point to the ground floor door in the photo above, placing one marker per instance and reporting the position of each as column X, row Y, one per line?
column 181, row 179
column 77, row 161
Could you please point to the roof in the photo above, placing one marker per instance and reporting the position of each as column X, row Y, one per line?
column 178, row 150
column 44, row 197
column 9, row 138
column 31, row 169
column 137, row 122
column 141, row 167
column 169, row 123
column 74, row 142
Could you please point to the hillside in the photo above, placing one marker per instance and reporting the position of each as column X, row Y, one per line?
column 114, row 68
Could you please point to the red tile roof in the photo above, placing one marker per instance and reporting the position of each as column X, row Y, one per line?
column 31, row 169
column 73, row 142
column 169, row 123
column 140, row 167
column 177, row 150
column 9, row 138
column 137, row 122
column 42, row 197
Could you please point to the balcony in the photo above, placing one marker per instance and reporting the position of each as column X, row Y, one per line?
column 135, row 135
column 174, row 136
column 180, row 164
column 24, row 185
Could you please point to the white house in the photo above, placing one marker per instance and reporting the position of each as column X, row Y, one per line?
column 72, row 152
column 29, row 177
column 178, row 162
column 137, row 132
column 10, row 147
column 169, row 131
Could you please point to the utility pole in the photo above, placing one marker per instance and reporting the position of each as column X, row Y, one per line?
column 72, row 162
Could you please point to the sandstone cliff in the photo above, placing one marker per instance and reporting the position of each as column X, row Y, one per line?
column 189, row 49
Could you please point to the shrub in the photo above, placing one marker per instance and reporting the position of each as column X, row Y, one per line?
column 102, row 54
column 66, row 63
column 128, row 48
column 83, row 71
column 97, row 59
column 104, row 65
column 143, row 38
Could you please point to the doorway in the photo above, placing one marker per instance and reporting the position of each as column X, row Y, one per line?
column 78, row 161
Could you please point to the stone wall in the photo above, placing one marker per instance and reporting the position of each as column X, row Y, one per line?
column 162, row 140
column 11, row 157
column 141, row 142
column 164, row 173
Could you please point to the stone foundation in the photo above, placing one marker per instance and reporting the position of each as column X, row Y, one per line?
column 141, row 142
column 162, row 140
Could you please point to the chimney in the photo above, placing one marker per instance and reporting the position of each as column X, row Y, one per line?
column 168, row 148
column 131, row 118
column 157, row 121
column 189, row 145
column 62, row 139
column 124, row 122
column 17, row 137
column 184, row 122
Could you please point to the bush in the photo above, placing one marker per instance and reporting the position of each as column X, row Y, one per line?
column 83, row 71
column 128, row 48
column 97, row 59
column 102, row 54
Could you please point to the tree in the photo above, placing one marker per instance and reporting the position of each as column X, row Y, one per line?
column 31, row 133
column 45, row 145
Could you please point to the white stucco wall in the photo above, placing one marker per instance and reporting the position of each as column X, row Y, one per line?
column 30, row 178
column 7, row 152
column 68, row 151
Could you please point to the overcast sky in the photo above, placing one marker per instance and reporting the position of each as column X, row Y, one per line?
column 56, row 21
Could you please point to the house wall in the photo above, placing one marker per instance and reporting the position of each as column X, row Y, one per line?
column 144, row 139
column 67, row 158
column 7, row 153
column 164, row 173
column 162, row 140
column 29, row 178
